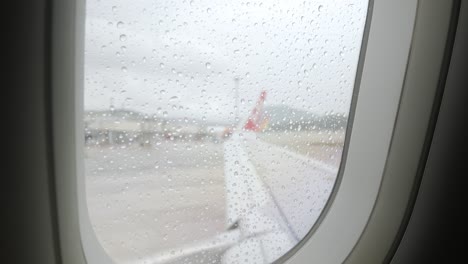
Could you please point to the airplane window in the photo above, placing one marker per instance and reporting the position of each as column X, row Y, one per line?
column 214, row 129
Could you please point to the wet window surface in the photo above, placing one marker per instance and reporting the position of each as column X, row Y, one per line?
column 214, row 130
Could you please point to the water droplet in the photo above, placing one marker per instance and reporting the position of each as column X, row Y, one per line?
column 320, row 7
column 123, row 37
column 120, row 24
column 208, row 65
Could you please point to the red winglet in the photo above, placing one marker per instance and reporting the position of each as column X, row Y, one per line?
column 257, row 119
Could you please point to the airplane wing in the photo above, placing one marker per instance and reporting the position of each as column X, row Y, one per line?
column 266, row 185
column 265, row 197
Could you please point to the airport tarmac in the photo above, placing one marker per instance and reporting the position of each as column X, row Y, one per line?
column 147, row 200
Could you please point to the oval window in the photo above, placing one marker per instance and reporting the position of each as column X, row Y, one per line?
column 214, row 130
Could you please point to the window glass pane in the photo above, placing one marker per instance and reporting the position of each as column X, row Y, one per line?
column 214, row 129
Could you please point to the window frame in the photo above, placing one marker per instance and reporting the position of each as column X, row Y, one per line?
column 367, row 154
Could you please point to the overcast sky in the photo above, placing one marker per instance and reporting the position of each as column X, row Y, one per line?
column 180, row 58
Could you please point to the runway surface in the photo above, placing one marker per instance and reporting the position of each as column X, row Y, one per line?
column 151, row 202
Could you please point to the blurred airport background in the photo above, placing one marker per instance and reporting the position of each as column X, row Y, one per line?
column 156, row 184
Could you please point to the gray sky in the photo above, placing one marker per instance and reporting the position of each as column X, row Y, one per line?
column 181, row 57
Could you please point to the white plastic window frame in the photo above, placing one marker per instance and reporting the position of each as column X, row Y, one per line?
column 331, row 241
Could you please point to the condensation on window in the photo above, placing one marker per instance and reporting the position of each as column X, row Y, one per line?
column 214, row 129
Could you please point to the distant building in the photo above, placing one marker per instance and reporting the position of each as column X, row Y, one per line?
column 123, row 126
